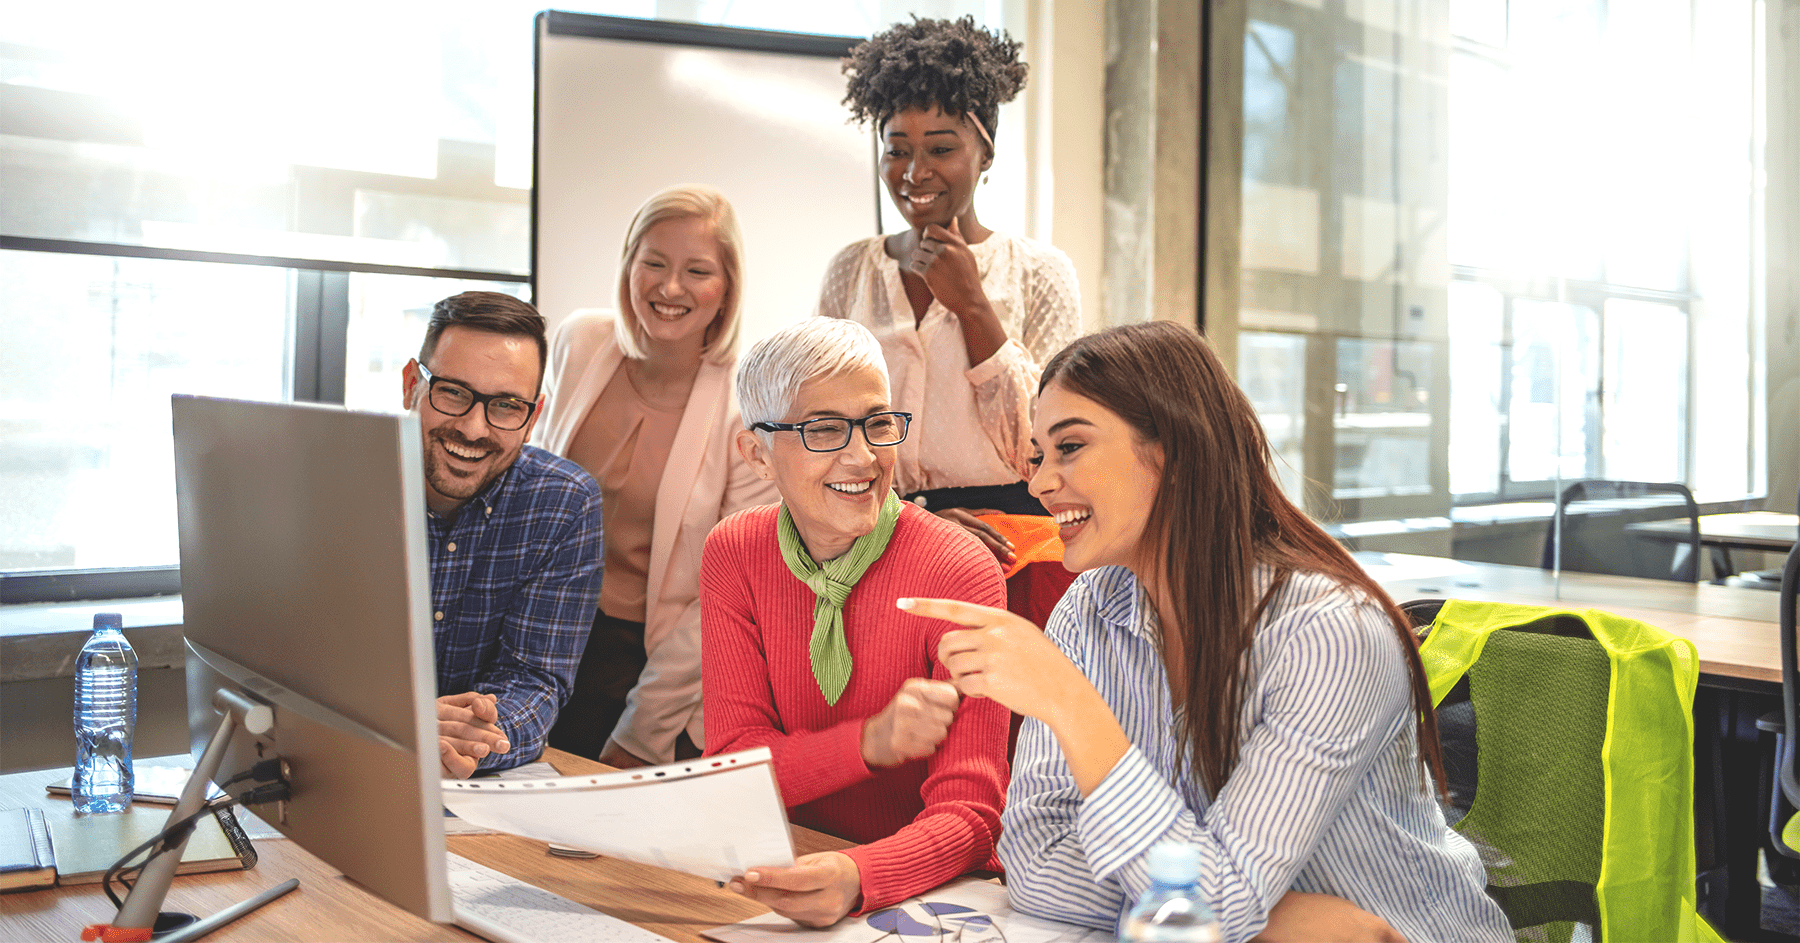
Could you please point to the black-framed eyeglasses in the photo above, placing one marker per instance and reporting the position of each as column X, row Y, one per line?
column 833, row 433
column 506, row 413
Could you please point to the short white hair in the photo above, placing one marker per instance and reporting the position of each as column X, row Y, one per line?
column 771, row 374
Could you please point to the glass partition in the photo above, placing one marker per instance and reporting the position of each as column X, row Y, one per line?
column 1505, row 247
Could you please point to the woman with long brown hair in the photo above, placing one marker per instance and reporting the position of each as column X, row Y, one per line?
column 1223, row 675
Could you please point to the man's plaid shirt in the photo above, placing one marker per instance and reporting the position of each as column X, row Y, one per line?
column 515, row 582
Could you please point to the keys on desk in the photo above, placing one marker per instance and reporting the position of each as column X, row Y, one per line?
column 505, row 909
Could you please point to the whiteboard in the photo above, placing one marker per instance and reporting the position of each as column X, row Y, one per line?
column 628, row 107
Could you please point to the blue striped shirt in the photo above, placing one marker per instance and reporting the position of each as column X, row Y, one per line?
column 1326, row 796
column 515, row 582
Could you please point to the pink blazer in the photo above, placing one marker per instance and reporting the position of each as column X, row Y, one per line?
column 704, row 481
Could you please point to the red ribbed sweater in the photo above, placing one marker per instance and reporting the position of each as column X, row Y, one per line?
column 916, row 825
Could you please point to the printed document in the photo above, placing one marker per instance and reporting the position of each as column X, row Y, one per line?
column 966, row 910
column 714, row 817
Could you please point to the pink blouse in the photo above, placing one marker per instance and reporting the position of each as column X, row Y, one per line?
column 624, row 443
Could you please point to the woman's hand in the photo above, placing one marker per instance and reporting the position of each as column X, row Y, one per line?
column 816, row 892
column 948, row 265
column 1004, row 657
column 983, row 531
column 1322, row 918
column 912, row 725
column 618, row 757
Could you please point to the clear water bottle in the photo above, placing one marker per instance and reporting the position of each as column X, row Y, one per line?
column 1172, row 908
column 105, row 715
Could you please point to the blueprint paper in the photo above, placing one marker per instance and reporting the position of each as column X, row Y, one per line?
column 966, row 910
column 715, row 817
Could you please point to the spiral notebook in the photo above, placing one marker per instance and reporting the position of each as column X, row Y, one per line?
column 87, row 845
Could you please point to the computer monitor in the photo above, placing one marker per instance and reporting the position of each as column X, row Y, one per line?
column 305, row 586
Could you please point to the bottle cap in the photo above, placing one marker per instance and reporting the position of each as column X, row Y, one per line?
column 1174, row 863
column 109, row 620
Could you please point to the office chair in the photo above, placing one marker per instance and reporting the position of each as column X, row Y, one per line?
column 1597, row 537
column 1568, row 746
column 1784, row 825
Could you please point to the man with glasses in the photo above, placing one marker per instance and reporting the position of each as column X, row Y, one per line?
column 804, row 652
column 514, row 534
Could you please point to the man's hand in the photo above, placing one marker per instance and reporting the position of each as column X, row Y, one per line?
column 912, row 725
column 1322, row 918
column 618, row 757
column 468, row 730
column 816, row 892
column 983, row 531
column 454, row 765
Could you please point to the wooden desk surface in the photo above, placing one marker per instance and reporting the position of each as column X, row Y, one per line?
column 328, row 906
column 1735, row 630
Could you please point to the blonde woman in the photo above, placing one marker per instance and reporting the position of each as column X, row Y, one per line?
column 642, row 398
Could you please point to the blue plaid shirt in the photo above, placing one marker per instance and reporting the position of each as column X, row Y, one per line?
column 515, row 582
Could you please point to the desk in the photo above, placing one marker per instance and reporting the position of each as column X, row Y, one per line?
column 328, row 906
column 1733, row 629
column 1766, row 531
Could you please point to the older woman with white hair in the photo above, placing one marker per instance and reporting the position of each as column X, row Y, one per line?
column 642, row 398
column 804, row 653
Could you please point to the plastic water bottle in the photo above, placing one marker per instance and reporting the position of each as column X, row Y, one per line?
column 105, row 715
column 1172, row 908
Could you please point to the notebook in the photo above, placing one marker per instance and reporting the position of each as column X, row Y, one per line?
column 87, row 845
column 26, row 860
column 160, row 784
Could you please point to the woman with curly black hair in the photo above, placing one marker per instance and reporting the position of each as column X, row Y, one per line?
column 966, row 316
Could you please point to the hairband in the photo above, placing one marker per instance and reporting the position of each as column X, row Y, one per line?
column 979, row 127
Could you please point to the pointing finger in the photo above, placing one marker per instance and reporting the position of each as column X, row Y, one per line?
column 952, row 610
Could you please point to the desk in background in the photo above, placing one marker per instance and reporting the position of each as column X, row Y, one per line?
column 1733, row 629
column 1765, row 531
column 1736, row 633
column 328, row 906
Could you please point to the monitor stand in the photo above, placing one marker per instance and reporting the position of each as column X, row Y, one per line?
column 139, row 916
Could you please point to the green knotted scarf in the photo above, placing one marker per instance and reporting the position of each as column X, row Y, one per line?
column 832, row 583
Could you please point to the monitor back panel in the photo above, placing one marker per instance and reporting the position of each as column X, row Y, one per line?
column 305, row 583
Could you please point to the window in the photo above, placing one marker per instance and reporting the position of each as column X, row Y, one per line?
column 1500, row 245
column 242, row 200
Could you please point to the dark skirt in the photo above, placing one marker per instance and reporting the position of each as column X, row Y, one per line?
column 610, row 667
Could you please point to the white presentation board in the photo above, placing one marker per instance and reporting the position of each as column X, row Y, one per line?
column 628, row 107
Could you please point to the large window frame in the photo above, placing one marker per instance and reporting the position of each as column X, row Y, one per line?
column 76, row 106
column 321, row 308
column 1250, row 296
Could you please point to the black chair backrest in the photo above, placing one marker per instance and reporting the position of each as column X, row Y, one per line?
column 1596, row 535
column 1790, row 674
